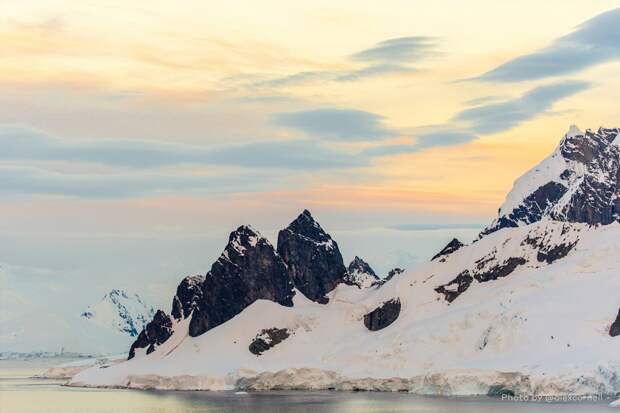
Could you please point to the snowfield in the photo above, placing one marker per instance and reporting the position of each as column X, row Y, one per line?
column 541, row 329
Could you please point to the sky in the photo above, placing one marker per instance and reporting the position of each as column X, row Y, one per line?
column 134, row 136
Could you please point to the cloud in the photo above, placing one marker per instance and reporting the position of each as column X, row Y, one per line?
column 391, row 56
column 593, row 42
column 20, row 144
column 484, row 119
column 443, row 138
column 17, row 143
column 28, row 181
column 373, row 70
column 337, row 124
column 402, row 49
column 294, row 155
column 504, row 115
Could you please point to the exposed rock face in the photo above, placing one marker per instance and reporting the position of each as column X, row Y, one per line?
column 314, row 261
column 614, row 331
column 359, row 273
column 189, row 296
column 154, row 334
column 383, row 316
column 500, row 270
column 583, row 184
column 267, row 339
column 249, row 269
column 456, row 287
column 533, row 207
column 392, row 273
column 452, row 246
column 550, row 252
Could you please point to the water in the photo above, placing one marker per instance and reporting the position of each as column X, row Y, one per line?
column 20, row 394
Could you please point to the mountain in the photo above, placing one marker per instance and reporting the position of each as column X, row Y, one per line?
column 361, row 274
column 578, row 182
column 121, row 312
column 107, row 327
column 528, row 308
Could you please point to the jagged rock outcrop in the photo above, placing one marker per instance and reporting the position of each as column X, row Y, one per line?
column 155, row 333
column 392, row 273
column 249, row 269
column 268, row 338
column 614, row 330
column 361, row 274
column 188, row 297
column 314, row 261
column 456, row 287
column 452, row 246
column 579, row 182
column 383, row 316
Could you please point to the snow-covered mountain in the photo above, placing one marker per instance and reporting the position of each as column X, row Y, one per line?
column 120, row 311
column 578, row 182
column 106, row 327
column 530, row 307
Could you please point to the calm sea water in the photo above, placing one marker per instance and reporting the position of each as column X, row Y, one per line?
column 20, row 394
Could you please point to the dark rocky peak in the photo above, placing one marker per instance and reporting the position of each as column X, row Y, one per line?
column 305, row 225
column 586, row 147
column 314, row 261
column 360, row 273
column 239, row 241
column 154, row 334
column 188, row 297
column 452, row 246
column 249, row 269
column 361, row 266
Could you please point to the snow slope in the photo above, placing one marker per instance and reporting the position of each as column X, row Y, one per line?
column 525, row 309
column 548, row 322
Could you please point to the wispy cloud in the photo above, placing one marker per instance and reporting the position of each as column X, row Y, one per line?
column 17, row 143
column 22, row 144
column 391, row 56
column 593, row 42
column 504, row 115
column 30, row 181
column 400, row 50
column 337, row 124
column 293, row 155
column 484, row 119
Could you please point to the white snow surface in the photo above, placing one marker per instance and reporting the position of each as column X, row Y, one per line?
column 542, row 330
